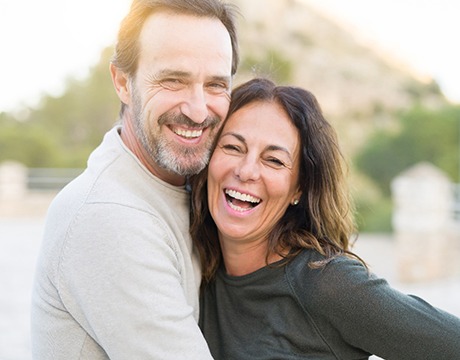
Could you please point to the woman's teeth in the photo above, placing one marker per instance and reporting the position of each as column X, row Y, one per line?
column 243, row 197
column 241, row 202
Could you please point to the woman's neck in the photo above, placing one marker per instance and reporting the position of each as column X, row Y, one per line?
column 242, row 259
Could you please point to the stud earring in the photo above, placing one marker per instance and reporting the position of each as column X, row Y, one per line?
column 295, row 202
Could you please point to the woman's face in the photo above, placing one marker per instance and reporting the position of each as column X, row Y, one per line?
column 253, row 172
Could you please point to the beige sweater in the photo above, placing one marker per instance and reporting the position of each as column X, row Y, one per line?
column 116, row 278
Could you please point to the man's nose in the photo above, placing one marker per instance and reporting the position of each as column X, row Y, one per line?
column 195, row 106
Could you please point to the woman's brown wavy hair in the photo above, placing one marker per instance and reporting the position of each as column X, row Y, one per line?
column 323, row 219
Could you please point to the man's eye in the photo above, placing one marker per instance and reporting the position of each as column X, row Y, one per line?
column 172, row 84
column 217, row 87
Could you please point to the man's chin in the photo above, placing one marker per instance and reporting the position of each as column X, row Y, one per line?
column 188, row 169
column 184, row 167
column 183, row 161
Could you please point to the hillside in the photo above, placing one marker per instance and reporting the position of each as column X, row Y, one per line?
column 357, row 87
column 287, row 40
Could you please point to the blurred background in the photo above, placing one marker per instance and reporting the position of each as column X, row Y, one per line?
column 386, row 75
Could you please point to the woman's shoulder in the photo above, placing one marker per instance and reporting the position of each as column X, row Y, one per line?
column 311, row 263
column 313, row 276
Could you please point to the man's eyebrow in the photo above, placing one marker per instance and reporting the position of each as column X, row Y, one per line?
column 185, row 74
column 174, row 73
column 226, row 79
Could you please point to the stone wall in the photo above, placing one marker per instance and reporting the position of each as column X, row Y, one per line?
column 426, row 233
column 16, row 199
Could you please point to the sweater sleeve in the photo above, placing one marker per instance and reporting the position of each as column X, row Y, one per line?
column 352, row 306
column 121, row 277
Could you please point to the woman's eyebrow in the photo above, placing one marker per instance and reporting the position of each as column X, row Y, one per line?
column 279, row 148
column 236, row 135
column 268, row 148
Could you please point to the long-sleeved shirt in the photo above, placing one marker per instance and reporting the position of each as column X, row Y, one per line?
column 339, row 311
column 117, row 277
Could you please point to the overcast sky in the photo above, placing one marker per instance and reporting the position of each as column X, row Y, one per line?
column 45, row 41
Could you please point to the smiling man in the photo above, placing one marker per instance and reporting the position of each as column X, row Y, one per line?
column 117, row 277
column 176, row 102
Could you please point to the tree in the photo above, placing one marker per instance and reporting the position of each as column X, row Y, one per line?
column 62, row 131
column 27, row 144
column 424, row 135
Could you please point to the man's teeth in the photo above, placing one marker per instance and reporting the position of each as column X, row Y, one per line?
column 242, row 197
column 188, row 133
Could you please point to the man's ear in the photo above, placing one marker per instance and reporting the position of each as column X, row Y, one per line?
column 121, row 83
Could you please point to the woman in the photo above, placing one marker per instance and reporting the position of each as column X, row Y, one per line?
column 272, row 222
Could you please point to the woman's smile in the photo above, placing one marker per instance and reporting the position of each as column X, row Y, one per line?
column 239, row 201
column 253, row 172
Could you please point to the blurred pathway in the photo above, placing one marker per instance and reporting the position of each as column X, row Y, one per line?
column 19, row 246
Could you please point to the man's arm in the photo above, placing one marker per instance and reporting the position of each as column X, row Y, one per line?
column 122, row 278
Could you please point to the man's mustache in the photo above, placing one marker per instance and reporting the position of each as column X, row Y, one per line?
column 181, row 119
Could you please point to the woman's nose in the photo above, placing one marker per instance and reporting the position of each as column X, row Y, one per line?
column 247, row 170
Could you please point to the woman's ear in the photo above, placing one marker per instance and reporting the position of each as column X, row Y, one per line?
column 296, row 198
column 121, row 83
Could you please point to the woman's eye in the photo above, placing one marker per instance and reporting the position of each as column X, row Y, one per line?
column 231, row 148
column 276, row 162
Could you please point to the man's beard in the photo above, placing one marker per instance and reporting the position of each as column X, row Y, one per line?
column 181, row 160
column 171, row 156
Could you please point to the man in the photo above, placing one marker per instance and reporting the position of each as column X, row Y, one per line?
column 117, row 277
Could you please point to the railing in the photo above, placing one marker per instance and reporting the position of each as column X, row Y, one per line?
column 50, row 178
column 57, row 178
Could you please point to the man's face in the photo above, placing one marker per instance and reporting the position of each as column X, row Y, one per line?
column 181, row 91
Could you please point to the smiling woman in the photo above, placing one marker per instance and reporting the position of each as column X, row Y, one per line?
column 272, row 221
column 275, row 177
column 253, row 176
column 52, row 40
